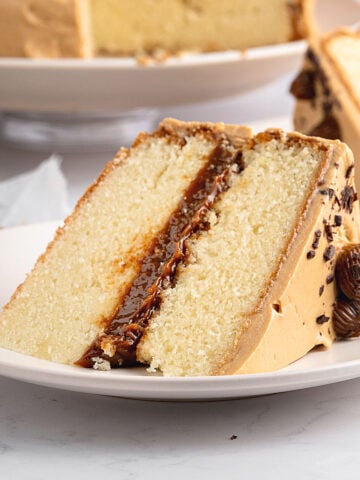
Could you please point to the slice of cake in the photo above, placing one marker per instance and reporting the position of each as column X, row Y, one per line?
column 199, row 251
column 80, row 28
column 328, row 90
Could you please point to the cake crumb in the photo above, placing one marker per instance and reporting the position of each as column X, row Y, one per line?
column 101, row 364
column 108, row 348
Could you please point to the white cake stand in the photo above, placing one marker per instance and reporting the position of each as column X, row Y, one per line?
column 101, row 103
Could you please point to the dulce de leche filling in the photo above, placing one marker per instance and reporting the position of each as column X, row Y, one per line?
column 159, row 266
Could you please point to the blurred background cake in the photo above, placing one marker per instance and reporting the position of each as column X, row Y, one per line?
column 327, row 90
column 83, row 28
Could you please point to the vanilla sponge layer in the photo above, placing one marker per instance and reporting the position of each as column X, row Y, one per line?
column 77, row 285
column 232, row 264
column 200, row 25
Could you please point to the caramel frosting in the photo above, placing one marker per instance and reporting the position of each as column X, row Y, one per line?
column 327, row 98
column 44, row 29
column 281, row 329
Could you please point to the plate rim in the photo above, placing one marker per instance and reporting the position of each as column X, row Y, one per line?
column 155, row 387
column 49, row 366
column 189, row 59
column 202, row 388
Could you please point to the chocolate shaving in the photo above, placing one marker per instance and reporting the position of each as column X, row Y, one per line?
column 348, row 197
column 310, row 254
column 348, row 171
column 327, row 191
column 329, row 253
column 322, row 319
column 338, row 220
column 316, row 241
column 329, row 233
column 321, row 290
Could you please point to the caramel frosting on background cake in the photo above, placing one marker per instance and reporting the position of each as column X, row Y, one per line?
column 328, row 90
column 44, row 28
column 83, row 28
column 202, row 250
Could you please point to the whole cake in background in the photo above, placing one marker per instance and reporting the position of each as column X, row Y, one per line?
column 327, row 90
column 85, row 28
column 201, row 250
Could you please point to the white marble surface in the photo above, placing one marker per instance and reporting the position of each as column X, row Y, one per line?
column 310, row 434
column 53, row 434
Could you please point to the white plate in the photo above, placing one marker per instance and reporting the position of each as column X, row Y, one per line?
column 19, row 248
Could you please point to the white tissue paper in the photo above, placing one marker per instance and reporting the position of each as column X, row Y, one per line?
column 36, row 196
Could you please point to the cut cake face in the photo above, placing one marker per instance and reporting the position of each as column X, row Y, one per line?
column 328, row 90
column 200, row 251
column 174, row 26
